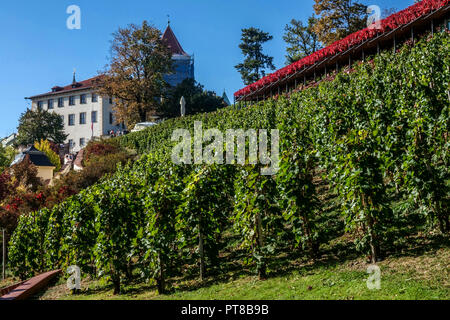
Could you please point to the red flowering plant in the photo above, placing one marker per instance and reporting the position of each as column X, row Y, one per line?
column 22, row 195
column 23, row 202
column 392, row 22
column 15, row 206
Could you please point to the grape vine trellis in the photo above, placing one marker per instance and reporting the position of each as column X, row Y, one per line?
column 375, row 135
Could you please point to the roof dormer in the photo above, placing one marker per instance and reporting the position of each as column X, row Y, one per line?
column 57, row 88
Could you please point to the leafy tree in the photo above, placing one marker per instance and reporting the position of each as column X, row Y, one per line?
column 204, row 211
column 78, row 235
column 6, row 156
column 256, row 217
column 156, row 235
column 55, row 235
column 134, row 77
column 25, row 175
column 99, row 148
column 338, row 18
column 116, row 210
column 27, row 256
column 298, row 195
column 301, row 39
column 5, row 185
column 44, row 146
column 40, row 125
column 198, row 100
column 426, row 157
column 255, row 63
column 94, row 169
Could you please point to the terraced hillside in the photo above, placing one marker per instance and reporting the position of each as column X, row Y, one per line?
column 363, row 171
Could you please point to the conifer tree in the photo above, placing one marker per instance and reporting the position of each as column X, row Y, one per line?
column 256, row 62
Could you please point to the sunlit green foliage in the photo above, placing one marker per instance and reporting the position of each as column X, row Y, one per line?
column 372, row 136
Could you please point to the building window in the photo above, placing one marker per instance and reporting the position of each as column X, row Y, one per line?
column 50, row 104
column 71, row 119
column 62, row 118
column 60, row 102
column 111, row 118
column 83, row 99
column 94, row 116
column 71, row 143
column 40, row 105
column 94, row 97
column 82, row 142
column 83, row 118
column 71, row 100
column 110, row 100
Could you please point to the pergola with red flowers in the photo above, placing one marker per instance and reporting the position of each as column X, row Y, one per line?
column 388, row 33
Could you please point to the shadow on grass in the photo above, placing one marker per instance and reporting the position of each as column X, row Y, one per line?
column 231, row 268
column 418, row 245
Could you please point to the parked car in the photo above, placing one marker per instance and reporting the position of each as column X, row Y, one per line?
column 142, row 126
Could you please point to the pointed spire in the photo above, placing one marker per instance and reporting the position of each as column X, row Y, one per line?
column 74, row 78
column 172, row 41
column 225, row 98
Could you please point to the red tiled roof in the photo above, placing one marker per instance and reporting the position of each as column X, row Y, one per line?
column 82, row 85
column 168, row 36
column 172, row 42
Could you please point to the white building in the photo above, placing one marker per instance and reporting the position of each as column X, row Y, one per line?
column 9, row 141
column 85, row 114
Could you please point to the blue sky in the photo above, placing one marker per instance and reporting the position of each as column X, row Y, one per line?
column 37, row 51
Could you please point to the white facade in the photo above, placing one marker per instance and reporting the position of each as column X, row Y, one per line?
column 83, row 120
column 9, row 141
column 77, row 115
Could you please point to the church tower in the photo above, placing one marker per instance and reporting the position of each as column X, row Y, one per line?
column 183, row 63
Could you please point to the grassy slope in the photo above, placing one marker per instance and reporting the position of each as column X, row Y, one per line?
column 416, row 274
